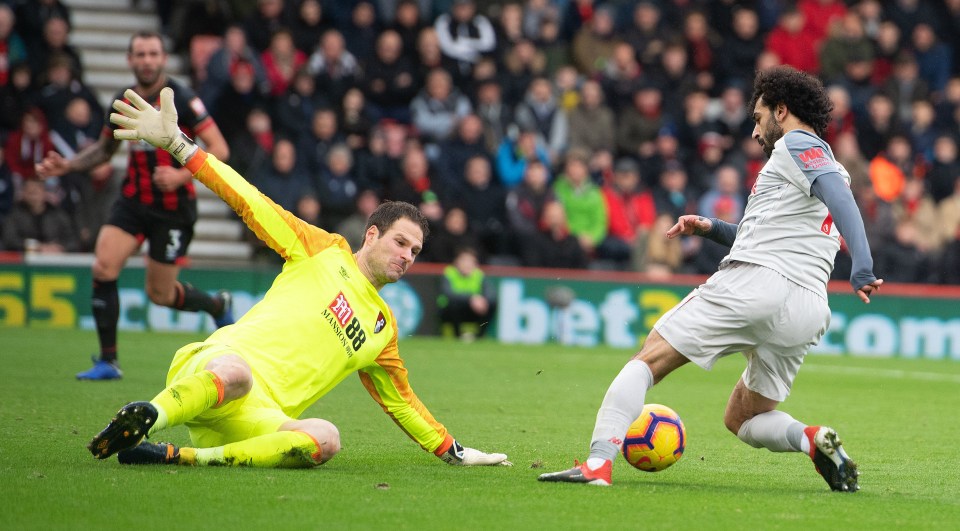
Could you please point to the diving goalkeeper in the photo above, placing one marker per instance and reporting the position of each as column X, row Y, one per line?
column 241, row 392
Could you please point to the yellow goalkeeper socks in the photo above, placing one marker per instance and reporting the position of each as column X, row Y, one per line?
column 283, row 449
column 186, row 398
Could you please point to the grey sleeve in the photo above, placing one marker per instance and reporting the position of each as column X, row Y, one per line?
column 833, row 191
column 722, row 232
column 811, row 155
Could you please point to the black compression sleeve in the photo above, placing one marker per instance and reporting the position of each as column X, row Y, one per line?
column 722, row 232
column 833, row 191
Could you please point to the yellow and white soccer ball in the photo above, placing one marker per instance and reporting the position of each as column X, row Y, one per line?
column 656, row 439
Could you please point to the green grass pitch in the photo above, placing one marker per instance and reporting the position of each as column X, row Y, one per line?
column 898, row 419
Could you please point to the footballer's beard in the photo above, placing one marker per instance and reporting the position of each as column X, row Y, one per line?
column 147, row 77
column 770, row 136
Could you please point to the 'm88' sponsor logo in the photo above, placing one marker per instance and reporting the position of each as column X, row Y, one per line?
column 340, row 307
column 355, row 334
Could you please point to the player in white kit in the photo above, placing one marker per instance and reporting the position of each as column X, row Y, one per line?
column 769, row 298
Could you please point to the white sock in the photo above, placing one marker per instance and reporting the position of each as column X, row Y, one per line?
column 594, row 463
column 621, row 406
column 774, row 430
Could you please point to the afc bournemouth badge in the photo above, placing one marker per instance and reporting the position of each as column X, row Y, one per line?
column 381, row 322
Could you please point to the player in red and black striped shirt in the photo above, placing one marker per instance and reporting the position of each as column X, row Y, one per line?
column 157, row 204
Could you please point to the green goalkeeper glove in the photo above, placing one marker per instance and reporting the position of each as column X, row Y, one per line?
column 461, row 456
column 158, row 128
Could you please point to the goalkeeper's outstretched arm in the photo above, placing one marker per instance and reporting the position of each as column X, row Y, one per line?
column 386, row 381
column 289, row 236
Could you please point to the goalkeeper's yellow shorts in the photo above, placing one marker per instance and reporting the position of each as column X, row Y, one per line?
column 253, row 415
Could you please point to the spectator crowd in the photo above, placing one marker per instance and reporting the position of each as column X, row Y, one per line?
column 546, row 133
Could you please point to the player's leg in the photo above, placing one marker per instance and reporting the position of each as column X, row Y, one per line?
column 326, row 437
column 225, row 378
column 626, row 395
column 701, row 328
column 114, row 245
column 751, row 412
column 302, row 443
column 755, row 420
column 164, row 289
column 201, row 378
column 257, row 433
column 169, row 240
column 797, row 318
column 621, row 405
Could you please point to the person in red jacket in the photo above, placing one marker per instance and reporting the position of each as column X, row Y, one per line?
column 27, row 145
column 793, row 43
column 818, row 15
column 630, row 213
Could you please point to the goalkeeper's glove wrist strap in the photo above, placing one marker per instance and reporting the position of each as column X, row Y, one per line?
column 454, row 454
column 182, row 148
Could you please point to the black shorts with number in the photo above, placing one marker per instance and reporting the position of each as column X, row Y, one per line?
column 168, row 232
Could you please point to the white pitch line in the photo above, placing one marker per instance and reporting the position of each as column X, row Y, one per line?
column 884, row 373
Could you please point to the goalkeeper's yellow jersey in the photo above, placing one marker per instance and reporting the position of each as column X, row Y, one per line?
column 320, row 321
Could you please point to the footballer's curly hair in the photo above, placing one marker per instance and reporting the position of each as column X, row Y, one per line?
column 802, row 93
column 390, row 211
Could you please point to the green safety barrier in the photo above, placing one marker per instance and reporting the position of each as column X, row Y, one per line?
column 534, row 307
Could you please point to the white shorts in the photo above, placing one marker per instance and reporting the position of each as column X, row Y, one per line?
column 751, row 309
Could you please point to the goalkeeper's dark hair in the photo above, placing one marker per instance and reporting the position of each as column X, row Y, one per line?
column 802, row 93
column 390, row 211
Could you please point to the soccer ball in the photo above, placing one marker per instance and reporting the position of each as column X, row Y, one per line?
column 656, row 439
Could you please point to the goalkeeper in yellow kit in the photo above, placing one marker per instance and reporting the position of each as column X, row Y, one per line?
column 241, row 391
